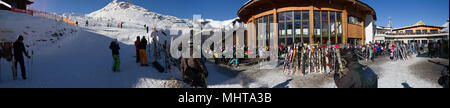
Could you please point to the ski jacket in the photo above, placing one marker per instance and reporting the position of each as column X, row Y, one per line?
column 143, row 44
column 115, row 48
column 136, row 44
column 19, row 50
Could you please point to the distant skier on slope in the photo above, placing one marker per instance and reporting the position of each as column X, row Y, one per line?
column 19, row 50
column 114, row 46
column 136, row 44
column 194, row 71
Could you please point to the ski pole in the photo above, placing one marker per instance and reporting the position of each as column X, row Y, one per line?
column 31, row 68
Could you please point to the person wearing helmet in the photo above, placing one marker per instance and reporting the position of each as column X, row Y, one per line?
column 19, row 50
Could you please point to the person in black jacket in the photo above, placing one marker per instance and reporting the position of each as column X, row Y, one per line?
column 114, row 46
column 19, row 50
column 142, row 47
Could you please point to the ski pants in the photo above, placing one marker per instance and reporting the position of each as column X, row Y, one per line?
column 236, row 61
column 116, row 64
column 22, row 68
column 143, row 56
column 137, row 55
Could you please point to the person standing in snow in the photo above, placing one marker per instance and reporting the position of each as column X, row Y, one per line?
column 142, row 53
column 87, row 23
column 19, row 50
column 114, row 46
column 136, row 44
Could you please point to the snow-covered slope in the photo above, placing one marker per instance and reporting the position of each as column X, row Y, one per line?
column 38, row 31
column 81, row 57
column 130, row 13
column 84, row 60
column 135, row 17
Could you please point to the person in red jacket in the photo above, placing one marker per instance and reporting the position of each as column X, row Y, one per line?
column 136, row 43
column 373, row 53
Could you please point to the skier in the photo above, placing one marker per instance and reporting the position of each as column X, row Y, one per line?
column 136, row 44
column 193, row 70
column 234, row 60
column 19, row 49
column 142, row 53
column 114, row 46
column 87, row 23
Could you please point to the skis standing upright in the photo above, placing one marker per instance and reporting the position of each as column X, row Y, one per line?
column 293, row 56
column 338, row 54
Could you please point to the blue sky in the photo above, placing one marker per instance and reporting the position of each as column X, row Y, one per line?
column 403, row 12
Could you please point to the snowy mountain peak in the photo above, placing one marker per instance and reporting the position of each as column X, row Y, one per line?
column 118, row 11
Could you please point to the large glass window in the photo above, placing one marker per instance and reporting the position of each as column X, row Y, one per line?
column 339, row 27
column 333, row 28
column 325, row 28
column 305, row 26
column 409, row 32
column 297, row 26
column 289, row 28
column 317, row 26
column 434, row 31
column 424, row 31
column 281, row 28
column 294, row 27
column 353, row 20
column 269, row 20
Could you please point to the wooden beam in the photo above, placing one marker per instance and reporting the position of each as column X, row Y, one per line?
column 344, row 25
column 363, row 33
column 311, row 25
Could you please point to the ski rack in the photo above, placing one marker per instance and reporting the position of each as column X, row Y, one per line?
column 302, row 60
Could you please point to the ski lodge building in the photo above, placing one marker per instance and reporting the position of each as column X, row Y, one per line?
column 311, row 21
column 419, row 32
